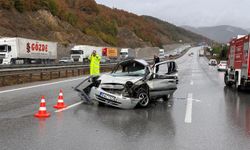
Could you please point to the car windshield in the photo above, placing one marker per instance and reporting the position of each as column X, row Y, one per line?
column 76, row 52
column 123, row 53
column 129, row 68
column 3, row 48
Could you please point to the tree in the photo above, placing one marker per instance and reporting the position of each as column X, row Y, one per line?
column 19, row 5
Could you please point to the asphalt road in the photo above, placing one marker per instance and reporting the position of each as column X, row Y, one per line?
column 203, row 114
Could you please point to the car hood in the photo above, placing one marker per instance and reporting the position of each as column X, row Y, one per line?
column 107, row 78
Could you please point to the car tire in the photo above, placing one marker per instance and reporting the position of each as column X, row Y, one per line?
column 229, row 84
column 101, row 104
column 144, row 96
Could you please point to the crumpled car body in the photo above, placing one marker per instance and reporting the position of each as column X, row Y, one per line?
column 131, row 83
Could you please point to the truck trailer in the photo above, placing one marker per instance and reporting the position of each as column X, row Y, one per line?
column 110, row 53
column 238, row 72
column 26, row 51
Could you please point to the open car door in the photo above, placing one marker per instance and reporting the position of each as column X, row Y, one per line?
column 164, row 80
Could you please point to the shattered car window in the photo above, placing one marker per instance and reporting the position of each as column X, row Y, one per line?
column 130, row 69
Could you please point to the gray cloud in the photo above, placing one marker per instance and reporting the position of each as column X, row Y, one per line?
column 189, row 12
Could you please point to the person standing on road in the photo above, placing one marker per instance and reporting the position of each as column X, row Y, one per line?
column 94, row 59
column 156, row 60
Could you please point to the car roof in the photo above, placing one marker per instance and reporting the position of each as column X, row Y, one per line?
column 141, row 61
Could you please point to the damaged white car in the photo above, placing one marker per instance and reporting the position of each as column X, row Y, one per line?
column 131, row 83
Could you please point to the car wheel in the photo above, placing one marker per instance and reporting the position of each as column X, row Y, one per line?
column 226, row 81
column 144, row 97
column 101, row 104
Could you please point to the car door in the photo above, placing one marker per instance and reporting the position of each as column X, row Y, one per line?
column 163, row 81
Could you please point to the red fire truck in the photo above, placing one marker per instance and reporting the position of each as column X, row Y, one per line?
column 238, row 72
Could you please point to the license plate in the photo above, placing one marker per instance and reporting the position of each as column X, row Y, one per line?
column 107, row 96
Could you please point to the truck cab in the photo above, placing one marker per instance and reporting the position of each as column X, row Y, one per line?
column 124, row 53
column 161, row 53
column 77, row 55
column 238, row 72
column 7, row 47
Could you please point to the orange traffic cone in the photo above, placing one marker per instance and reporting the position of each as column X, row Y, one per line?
column 60, row 103
column 42, row 113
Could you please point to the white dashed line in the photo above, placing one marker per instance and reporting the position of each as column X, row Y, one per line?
column 73, row 105
column 188, row 116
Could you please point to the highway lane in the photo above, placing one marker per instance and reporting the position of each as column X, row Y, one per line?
column 202, row 114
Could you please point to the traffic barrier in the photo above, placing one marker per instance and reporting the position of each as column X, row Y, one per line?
column 60, row 102
column 42, row 113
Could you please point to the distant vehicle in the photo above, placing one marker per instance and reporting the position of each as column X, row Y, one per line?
column 27, row 51
column 66, row 60
column 161, row 53
column 127, row 53
column 105, row 60
column 110, row 54
column 238, row 72
column 222, row 66
column 174, row 53
column 167, row 55
column 212, row 62
column 191, row 54
column 201, row 52
column 80, row 53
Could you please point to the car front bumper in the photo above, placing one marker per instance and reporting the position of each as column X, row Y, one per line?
column 119, row 101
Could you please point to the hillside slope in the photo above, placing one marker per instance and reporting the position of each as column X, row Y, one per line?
column 86, row 22
column 221, row 33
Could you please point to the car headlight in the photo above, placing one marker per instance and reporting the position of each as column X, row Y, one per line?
column 129, row 85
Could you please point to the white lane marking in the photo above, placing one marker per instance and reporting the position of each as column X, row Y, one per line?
column 188, row 117
column 192, row 82
column 73, row 105
column 35, row 86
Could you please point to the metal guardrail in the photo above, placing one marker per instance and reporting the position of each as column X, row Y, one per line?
column 49, row 68
column 25, row 75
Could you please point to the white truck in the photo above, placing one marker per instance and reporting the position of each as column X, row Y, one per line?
column 161, row 53
column 127, row 53
column 80, row 53
column 201, row 52
column 26, row 51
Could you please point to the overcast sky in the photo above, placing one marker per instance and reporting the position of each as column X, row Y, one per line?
column 189, row 12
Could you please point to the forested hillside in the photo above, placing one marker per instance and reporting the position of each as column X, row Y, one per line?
column 86, row 22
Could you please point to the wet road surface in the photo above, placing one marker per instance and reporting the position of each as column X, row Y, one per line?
column 202, row 114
